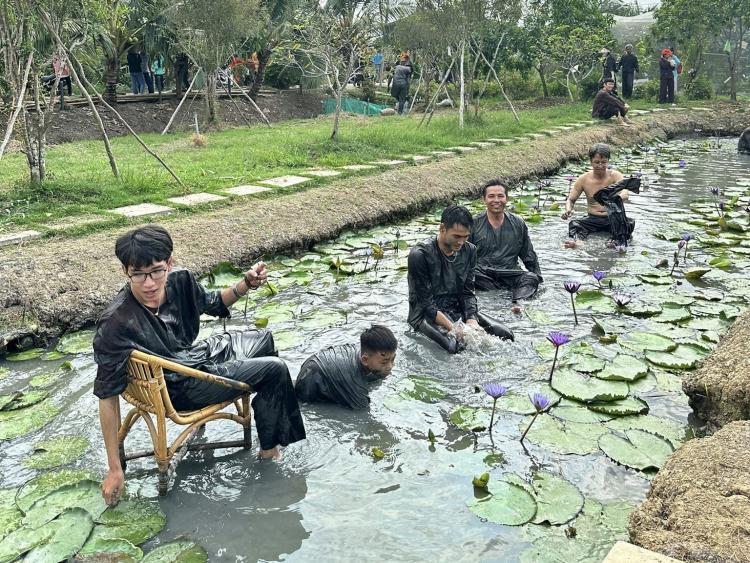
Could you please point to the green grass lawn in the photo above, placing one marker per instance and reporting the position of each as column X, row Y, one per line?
column 80, row 181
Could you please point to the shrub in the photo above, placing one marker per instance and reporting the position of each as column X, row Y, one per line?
column 521, row 86
column 282, row 76
column 699, row 88
column 588, row 87
column 648, row 90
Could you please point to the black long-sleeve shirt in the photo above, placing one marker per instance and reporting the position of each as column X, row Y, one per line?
column 629, row 64
column 666, row 67
column 609, row 67
column 441, row 283
column 335, row 375
column 604, row 100
column 500, row 249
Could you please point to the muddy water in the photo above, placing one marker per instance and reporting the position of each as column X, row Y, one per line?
column 329, row 499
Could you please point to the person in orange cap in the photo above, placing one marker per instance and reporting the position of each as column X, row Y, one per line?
column 666, row 77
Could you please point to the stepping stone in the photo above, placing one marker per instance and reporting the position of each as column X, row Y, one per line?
column 462, row 149
column 443, row 154
column 196, row 199
column 658, row 109
column 321, row 173
column 419, row 157
column 565, row 128
column 284, row 181
column 142, row 209
column 388, row 162
column 535, row 136
column 624, row 552
column 246, row 190
column 702, row 109
column 497, row 141
column 358, row 167
column 482, row 144
column 15, row 238
column 550, row 132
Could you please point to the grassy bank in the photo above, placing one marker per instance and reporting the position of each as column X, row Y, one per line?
column 80, row 181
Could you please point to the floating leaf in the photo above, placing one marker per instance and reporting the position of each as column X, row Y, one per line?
column 707, row 323
column 584, row 363
column 24, row 400
column 225, row 274
column 608, row 325
column 641, row 309
column 637, row 449
column 4, row 372
column 574, row 385
column 685, row 356
column 468, row 418
column 85, row 494
column 672, row 313
column 626, row 406
column 695, row 273
column 76, row 343
column 47, row 483
column 572, row 411
column 642, row 341
column 22, row 422
column 595, row 300
column 519, row 402
column 507, row 503
column 59, row 451
column 721, row 262
column 285, row 339
column 672, row 431
column 558, row 500
column 22, row 540
column 10, row 515
column 181, row 551
column 71, row 529
column 564, row 437
column 8, row 399
column 624, row 368
column 52, row 356
column 101, row 549
column 135, row 520
column 44, row 380
column 322, row 319
column 32, row 354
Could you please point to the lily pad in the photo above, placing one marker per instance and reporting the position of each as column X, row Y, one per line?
column 285, row 339
column 695, row 273
column 22, row 540
column 23, row 400
column 223, row 275
column 276, row 312
column 672, row 431
column 419, row 388
column 655, row 279
column 624, row 368
column 572, row 411
column 71, row 529
column 563, row 437
column 685, row 356
column 10, row 515
column 32, row 354
column 519, row 403
column 181, row 551
column 76, row 343
column 22, row 422
column 584, row 363
column 507, row 503
column 558, row 500
column 641, row 309
column 118, row 550
column 608, row 325
column 59, row 451
column 642, row 341
column 135, row 520
column 44, row 380
column 46, row 483
column 626, row 406
column 6, row 400
column 85, row 494
column 467, row 418
column 321, row 319
column 671, row 313
column 4, row 372
column 636, row 449
column 580, row 387
column 707, row 323
column 595, row 300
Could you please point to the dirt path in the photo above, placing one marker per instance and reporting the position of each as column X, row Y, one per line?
column 51, row 286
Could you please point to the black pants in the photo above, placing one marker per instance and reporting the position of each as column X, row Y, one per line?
column 159, row 80
column 666, row 90
column 627, row 84
column 181, row 79
column 63, row 84
column 149, row 82
column 400, row 91
column 247, row 356
column 449, row 343
column 610, row 111
column 522, row 284
column 581, row 228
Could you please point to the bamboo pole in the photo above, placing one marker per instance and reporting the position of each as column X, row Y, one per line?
column 182, row 101
column 414, row 99
column 242, row 114
column 262, row 115
column 19, row 105
column 431, row 106
column 502, row 91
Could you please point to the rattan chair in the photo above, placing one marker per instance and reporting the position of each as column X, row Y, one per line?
column 147, row 392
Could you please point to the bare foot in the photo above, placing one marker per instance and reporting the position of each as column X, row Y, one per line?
column 273, row 453
column 570, row 243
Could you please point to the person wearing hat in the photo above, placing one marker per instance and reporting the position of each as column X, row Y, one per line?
column 666, row 78
column 609, row 65
column 629, row 66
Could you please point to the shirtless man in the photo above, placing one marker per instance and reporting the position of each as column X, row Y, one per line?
column 589, row 183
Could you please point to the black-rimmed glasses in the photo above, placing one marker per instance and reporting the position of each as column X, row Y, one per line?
column 155, row 275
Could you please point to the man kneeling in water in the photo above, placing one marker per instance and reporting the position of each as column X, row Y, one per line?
column 441, row 283
column 341, row 374
column 596, row 180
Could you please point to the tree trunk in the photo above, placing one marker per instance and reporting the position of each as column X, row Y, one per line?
column 263, row 58
column 337, row 114
column 461, row 90
column 112, row 76
column 540, row 70
column 211, row 114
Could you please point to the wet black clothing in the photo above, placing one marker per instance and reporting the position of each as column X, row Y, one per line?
column 743, row 145
column 134, row 62
column 609, row 67
column 445, row 284
column 629, row 66
column 498, row 252
column 620, row 225
column 607, row 104
column 400, row 84
column 335, row 375
column 666, row 81
column 245, row 356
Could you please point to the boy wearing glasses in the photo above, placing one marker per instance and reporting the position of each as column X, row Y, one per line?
column 158, row 312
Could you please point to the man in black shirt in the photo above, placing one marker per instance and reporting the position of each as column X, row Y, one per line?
column 609, row 64
column 629, row 66
column 158, row 313
column 607, row 104
column 137, row 80
column 341, row 374
column 743, row 145
column 441, row 284
column 502, row 238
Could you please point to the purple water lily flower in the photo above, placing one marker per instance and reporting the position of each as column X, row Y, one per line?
column 572, row 287
column 541, row 403
column 686, row 237
column 680, row 244
column 682, row 163
column 621, row 299
column 639, row 174
column 570, row 178
column 494, row 390
column 599, row 275
column 557, row 339
column 715, row 190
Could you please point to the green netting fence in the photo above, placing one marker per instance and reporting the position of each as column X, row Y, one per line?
column 352, row 105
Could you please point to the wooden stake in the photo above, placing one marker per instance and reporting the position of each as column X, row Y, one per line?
column 182, row 101
column 262, row 115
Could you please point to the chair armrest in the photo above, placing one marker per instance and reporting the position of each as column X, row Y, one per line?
column 155, row 361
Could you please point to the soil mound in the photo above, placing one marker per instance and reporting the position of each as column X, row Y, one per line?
column 719, row 390
column 698, row 508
